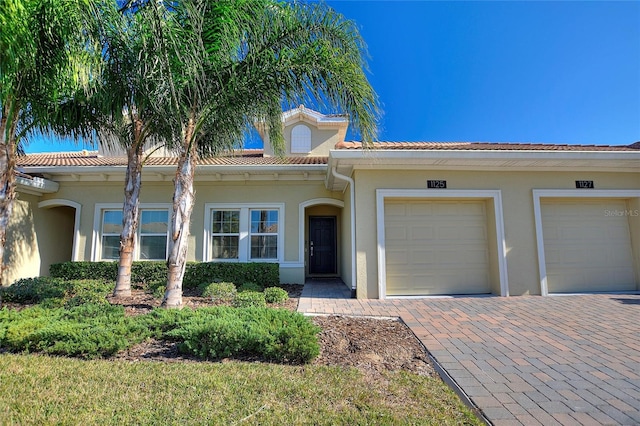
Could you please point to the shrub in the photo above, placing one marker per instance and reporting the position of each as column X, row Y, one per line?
column 33, row 290
column 54, row 292
column 248, row 299
column 274, row 334
column 157, row 288
column 220, row 291
column 196, row 274
column 275, row 295
column 250, row 286
column 88, row 331
column 107, row 271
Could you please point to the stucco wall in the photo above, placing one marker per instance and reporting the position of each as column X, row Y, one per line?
column 517, row 200
column 21, row 255
column 322, row 140
column 289, row 193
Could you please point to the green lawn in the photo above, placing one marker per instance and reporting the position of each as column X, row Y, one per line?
column 36, row 389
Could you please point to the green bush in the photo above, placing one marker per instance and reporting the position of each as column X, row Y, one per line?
column 87, row 331
column 144, row 272
column 196, row 274
column 248, row 299
column 55, row 292
column 275, row 295
column 250, row 286
column 101, row 330
column 33, row 290
column 107, row 271
column 225, row 292
column 157, row 288
column 274, row 334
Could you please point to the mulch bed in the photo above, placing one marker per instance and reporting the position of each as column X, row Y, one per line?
column 368, row 344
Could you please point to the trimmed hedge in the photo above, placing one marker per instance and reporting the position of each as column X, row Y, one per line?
column 266, row 274
column 196, row 274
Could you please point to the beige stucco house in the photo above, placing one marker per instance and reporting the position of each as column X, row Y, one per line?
column 398, row 220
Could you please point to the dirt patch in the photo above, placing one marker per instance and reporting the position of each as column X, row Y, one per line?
column 371, row 345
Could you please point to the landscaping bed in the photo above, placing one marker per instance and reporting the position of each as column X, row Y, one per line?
column 371, row 345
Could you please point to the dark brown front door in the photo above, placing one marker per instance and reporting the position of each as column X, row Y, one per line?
column 322, row 245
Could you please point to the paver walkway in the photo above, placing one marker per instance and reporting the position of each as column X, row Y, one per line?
column 531, row 360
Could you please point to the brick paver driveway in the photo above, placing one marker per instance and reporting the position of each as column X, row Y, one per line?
column 525, row 360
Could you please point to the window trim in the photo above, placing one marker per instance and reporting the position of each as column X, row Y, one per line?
column 96, row 246
column 244, row 243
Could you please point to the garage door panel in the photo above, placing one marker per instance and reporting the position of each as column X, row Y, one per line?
column 446, row 247
column 586, row 250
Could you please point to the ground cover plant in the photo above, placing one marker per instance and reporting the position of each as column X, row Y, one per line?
column 74, row 318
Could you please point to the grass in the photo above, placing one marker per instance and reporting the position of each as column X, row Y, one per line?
column 37, row 389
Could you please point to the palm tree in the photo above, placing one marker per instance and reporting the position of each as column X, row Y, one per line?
column 43, row 57
column 229, row 63
column 122, row 111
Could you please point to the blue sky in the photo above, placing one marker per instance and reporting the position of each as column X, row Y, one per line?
column 490, row 71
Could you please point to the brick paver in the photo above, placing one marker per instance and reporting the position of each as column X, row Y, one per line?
column 522, row 360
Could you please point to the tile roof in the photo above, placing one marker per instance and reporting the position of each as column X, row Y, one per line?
column 480, row 146
column 92, row 159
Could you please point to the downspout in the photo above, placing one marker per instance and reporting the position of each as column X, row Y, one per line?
column 353, row 226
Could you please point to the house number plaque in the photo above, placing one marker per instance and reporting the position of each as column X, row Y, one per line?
column 584, row 184
column 438, row 184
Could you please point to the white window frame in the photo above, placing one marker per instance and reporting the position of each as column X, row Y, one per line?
column 300, row 139
column 244, row 242
column 96, row 247
column 224, row 234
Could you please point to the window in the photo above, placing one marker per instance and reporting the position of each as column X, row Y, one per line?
column 300, row 139
column 111, row 230
column 153, row 234
column 151, row 237
column 225, row 234
column 243, row 232
column 264, row 234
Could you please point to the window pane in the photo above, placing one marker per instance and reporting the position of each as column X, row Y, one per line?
column 264, row 247
column 154, row 221
column 153, row 247
column 112, row 222
column 225, row 221
column 224, row 247
column 264, row 221
column 111, row 247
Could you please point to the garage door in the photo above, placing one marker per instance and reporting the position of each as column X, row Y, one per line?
column 436, row 247
column 585, row 248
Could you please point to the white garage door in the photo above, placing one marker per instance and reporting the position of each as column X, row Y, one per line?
column 436, row 247
column 587, row 247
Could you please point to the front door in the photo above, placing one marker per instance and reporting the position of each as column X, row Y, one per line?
column 322, row 245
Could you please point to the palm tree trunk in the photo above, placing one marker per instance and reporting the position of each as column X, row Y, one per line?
column 7, row 181
column 183, row 199
column 130, row 217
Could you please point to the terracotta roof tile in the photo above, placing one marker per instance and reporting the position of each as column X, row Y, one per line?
column 92, row 159
column 479, row 146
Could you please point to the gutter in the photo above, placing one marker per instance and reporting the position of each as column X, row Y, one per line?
column 36, row 186
column 353, row 226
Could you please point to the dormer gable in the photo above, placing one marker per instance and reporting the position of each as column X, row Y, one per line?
column 307, row 133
